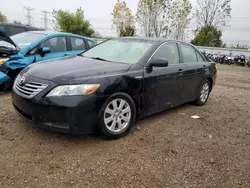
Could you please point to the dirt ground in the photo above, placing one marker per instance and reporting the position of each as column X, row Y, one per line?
column 169, row 149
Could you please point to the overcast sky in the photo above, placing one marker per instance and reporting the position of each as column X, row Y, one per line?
column 98, row 12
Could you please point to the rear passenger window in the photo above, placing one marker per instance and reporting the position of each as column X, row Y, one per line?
column 16, row 30
column 77, row 43
column 2, row 28
column 168, row 51
column 189, row 53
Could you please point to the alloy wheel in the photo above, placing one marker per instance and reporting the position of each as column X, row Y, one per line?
column 117, row 116
column 204, row 92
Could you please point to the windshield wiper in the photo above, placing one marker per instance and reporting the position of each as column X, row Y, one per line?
column 99, row 58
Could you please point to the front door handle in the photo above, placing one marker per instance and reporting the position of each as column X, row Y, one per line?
column 180, row 71
column 65, row 54
column 204, row 67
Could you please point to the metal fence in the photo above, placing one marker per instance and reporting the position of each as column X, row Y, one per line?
column 225, row 51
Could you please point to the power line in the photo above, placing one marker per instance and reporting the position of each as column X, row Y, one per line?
column 28, row 15
column 45, row 18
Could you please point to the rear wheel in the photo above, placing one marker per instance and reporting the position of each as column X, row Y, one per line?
column 117, row 116
column 203, row 93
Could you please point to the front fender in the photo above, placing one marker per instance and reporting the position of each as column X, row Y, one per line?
column 19, row 62
column 13, row 65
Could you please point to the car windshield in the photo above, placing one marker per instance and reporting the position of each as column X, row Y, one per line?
column 119, row 50
column 23, row 40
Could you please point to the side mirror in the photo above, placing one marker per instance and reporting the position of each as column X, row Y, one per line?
column 44, row 50
column 158, row 63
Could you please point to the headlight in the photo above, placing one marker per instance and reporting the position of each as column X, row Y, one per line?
column 2, row 61
column 70, row 90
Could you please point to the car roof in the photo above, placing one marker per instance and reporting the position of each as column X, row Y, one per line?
column 20, row 25
column 58, row 33
column 152, row 39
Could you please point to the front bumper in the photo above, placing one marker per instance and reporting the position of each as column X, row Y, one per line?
column 74, row 115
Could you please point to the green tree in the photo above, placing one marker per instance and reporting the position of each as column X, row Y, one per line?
column 17, row 22
column 128, row 31
column 3, row 18
column 208, row 36
column 66, row 21
column 123, row 19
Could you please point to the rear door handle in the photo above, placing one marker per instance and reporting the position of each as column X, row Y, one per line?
column 66, row 54
column 204, row 67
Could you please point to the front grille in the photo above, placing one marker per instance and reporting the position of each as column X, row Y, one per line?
column 28, row 90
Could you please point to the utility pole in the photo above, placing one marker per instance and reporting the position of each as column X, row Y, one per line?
column 45, row 19
column 28, row 15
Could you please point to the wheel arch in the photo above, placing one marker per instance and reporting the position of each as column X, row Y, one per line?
column 211, row 82
column 136, row 99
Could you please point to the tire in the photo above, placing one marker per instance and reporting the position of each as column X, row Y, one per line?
column 203, row 93
column 110, row 117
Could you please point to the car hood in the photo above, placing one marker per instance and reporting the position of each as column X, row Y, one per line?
column 73, row 70
column 4, row 37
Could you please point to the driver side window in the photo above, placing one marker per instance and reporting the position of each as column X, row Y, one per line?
column 168, row 51
column 56, row 44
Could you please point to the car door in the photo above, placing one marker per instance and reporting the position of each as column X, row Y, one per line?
column 78, row 45
column 193, row 70
column 162, row 86
column 58, row 48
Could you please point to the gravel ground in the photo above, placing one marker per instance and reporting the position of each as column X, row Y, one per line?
column 169, row 149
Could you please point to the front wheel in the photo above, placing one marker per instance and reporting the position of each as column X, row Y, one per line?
column 117, row 116
column 203, row 93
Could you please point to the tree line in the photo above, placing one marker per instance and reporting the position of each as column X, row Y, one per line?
column 170, row 19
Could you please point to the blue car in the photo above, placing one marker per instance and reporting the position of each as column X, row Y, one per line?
column 21, row 50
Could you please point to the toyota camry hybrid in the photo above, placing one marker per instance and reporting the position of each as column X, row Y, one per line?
column 108, row 87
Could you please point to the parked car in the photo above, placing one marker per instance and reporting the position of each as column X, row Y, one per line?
column 12, row 29
column 112, row 84
column 21, row 50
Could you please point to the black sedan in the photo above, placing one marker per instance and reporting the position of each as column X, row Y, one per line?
column 108, row 87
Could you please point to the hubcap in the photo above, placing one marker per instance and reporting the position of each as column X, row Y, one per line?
column 204, row 92
column 117, row 116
